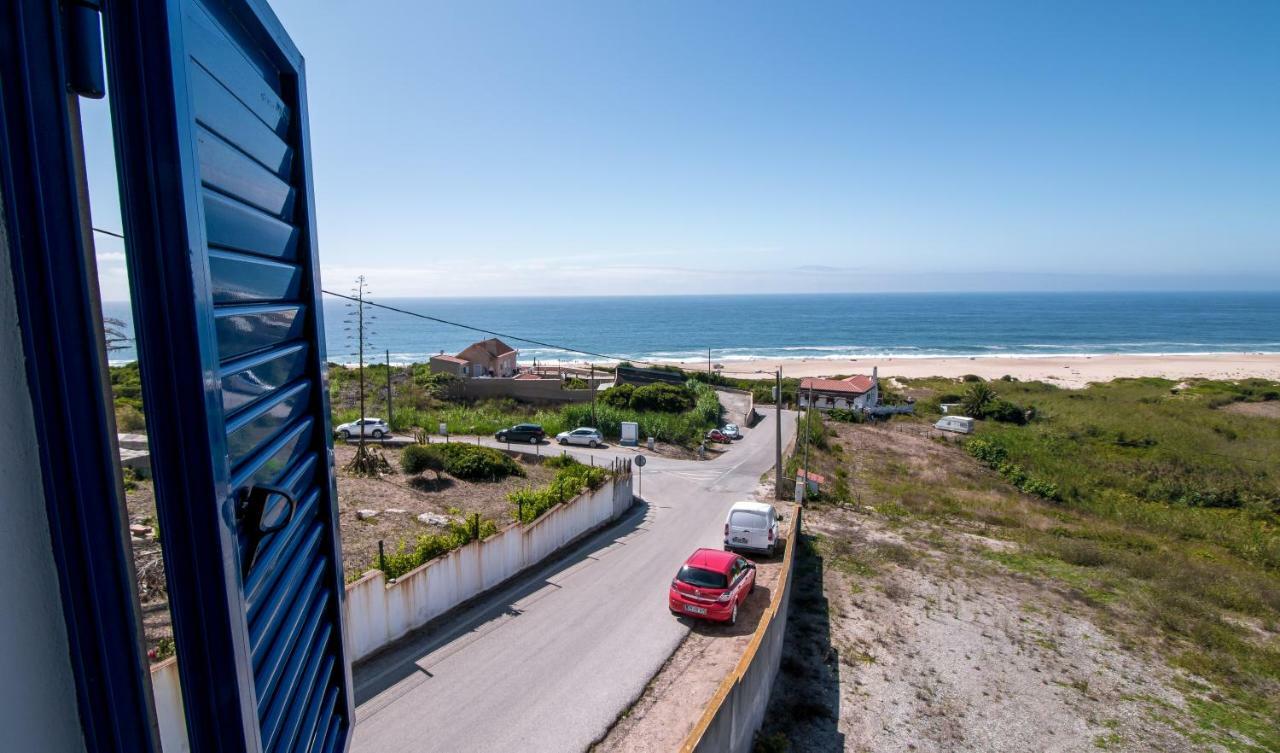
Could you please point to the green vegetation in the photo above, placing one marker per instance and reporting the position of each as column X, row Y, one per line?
column 1161, row 511
column 126, row 390
column 659, row 397
column 417, row 459
column 411, row 555
column 468, row 461
column 572, row 478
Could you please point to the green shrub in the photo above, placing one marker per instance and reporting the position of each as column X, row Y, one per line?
column 846, row 415
column 619, row 396
column 427, row 547
column 420, row 458
column 995, row 457
column 1005, row 412
column 571, row 479
column 977, row 399
column 475, row 463
column 129, row 418
column 665, row 398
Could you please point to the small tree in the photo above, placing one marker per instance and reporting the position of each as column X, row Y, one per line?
column 977, row 399
column 420, row 458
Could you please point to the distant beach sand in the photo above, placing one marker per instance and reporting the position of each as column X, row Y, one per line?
column 1065, row 371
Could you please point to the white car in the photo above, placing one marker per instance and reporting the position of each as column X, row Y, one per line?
column 732, row 431
column 369, row 427
column 751, row 525
column 582, row 435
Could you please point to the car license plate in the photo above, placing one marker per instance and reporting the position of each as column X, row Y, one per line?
column 739, row 540
column 695, row 610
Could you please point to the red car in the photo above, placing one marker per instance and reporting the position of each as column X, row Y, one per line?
column 710, row 586
column 715, row 435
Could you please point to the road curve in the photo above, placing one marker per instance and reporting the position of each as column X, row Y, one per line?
column 548, row 662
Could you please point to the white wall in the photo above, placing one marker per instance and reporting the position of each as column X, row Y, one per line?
column 377, row 613
column 38, row 708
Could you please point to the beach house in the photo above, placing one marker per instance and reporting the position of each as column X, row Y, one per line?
column 857, row 392
column 487, row 358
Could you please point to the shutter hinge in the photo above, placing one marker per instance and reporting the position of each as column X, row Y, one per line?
column 82, row 32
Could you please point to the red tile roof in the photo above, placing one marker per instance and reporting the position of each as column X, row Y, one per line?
column 450, row 359
column 817, row 478
column 526, row 375
column 854, row 385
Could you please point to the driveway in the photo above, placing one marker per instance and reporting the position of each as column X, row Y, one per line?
column 547, row 663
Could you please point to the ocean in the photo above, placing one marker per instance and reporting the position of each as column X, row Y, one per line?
column 741, row 327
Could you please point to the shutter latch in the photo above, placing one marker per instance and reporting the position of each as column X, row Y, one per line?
column 251, row 507
column 82, row 29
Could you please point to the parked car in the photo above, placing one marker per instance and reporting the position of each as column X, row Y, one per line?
column 958, row 424
column 581, row 435
column 370, row 427
column 531, row 433
column 731, row 431
column 710, row 585
column 751, row 525
column 715, row 435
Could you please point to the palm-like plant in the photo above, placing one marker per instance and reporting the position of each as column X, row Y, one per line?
column 978, row 399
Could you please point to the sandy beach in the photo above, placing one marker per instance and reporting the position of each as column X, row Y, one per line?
column 1065, row 371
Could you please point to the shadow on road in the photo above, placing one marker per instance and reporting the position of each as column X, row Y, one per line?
column 804, row 707
column 399, row 661
column 749, row 614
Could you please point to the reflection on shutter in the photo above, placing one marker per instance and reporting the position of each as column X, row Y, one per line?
column 241, row 156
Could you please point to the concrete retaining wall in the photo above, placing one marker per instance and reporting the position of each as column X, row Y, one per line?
column 736, row 711
column 378, row 613
column 526, row 390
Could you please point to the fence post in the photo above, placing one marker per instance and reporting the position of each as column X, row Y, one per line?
column 475, row 526
column 382, row 558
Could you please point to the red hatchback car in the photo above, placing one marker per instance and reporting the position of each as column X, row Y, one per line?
column 711, row 584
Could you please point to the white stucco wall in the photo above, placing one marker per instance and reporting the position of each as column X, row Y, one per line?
column 38, row 707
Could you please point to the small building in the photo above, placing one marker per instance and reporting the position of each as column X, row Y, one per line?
column 813, row 481
column 858, row 392
column 487, row 358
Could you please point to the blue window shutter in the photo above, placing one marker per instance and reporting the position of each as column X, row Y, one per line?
column 209, row 107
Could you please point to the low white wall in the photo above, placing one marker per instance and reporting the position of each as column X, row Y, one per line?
column 378, row 613
column 167, row 691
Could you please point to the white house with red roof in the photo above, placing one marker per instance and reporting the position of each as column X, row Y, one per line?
column 855, row 392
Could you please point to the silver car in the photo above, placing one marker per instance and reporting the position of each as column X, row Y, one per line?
column 369, row 427
column 582, row 435
column 732, row 431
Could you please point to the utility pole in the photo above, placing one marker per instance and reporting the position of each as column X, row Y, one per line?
column 808, row 410
column 591, row 382
column 708, row 361
column 777, row 420
column 388, row 387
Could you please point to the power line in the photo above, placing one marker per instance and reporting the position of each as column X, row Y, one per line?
column 481, row 330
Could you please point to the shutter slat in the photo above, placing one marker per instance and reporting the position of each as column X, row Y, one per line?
column 248, row 329
column 265, row 613
column 235, row 225
column 226, row 61
column 319, row 740
column 232, row 172
column 273, row 641
column 276, row 554
column 274, row 460
column 295, row 718
column 316, row 711
column 251, row 379
column 282, row 719
column 284, row 673
column 221, row 112
column 241, row 278
column 263, row 422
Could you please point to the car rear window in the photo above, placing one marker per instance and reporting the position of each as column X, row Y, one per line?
column 696, row 576
column 746, row 519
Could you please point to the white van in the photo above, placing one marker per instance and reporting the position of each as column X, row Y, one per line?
column 958, row 424
column 751, row 525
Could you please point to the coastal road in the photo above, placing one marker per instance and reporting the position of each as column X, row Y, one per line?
column 548, row 662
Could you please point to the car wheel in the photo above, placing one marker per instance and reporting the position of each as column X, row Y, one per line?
column 345, row 435
column 564, row 441
column 593, row 444
column 733, row 615
column 533, row 440
column 500, row 437
column 377, row 433
column 768, row 552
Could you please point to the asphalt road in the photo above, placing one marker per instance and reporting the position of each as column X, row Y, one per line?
column 547, row 663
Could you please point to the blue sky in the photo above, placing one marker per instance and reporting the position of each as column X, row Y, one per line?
column 555, row 148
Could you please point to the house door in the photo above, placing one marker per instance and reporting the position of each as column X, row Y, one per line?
column 209, row 109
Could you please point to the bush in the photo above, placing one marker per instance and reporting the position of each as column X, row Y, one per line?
column 664, row 398
column 977, row 400
column 420, row 458
column 129, row 418
column 476, row 463
column 1005, row 412
column 619, row 396
column 429, row 546
column 846, row 415
column 995, row 457
column 570, row 480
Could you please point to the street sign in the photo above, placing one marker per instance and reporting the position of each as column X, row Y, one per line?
column 640, row 460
